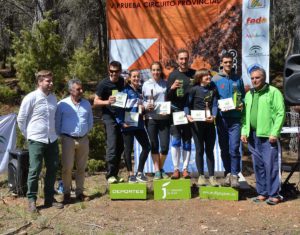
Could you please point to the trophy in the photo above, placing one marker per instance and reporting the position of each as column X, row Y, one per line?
column 237, row 96
column 208, row 100
column 179, row 90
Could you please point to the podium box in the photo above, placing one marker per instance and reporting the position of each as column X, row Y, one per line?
column 219, row 193
column 167, row 189
column 136, row 191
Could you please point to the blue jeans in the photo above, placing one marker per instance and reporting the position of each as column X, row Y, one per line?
column 265, row 164
column 229, row 133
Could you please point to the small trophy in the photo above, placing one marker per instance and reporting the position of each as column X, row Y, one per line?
column 207, row 110
column 208, row 100
column 140, row 107
column 179, row 90
column 237, row 97
column 192, row 81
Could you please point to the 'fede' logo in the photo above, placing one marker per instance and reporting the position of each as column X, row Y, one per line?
column 259, row 20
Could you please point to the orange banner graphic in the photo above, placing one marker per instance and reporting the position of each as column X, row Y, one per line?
column 143, row 31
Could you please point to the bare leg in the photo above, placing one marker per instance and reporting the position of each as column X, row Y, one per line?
column 156, row 162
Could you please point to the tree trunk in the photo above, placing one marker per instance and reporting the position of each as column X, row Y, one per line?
column 296, row 48
column 100, row 37
column 40, row 8
column 103, row 28
column 3, row 65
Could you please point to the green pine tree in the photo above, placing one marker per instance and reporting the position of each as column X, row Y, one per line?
column 37, row 49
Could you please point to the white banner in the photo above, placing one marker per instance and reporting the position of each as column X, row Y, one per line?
column 255, row 37
column 7, row 139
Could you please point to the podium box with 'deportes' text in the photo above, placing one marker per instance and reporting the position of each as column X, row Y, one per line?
column 127, row 191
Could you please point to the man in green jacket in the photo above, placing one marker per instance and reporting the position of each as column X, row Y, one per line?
column 261, row 125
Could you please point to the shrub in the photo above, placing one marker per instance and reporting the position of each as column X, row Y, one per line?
column 94, row 165
column 7, row 95
column 84, row 63
column 37, row 49
column 97, row 142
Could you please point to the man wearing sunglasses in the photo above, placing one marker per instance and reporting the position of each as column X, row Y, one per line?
column 262, row 122
column 73, row 121
column 104, row 98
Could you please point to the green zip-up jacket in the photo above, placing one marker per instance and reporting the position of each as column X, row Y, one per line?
column 270, row 113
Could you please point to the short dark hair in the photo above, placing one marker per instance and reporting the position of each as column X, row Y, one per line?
column 115, row 64
column 182, row 50
column 226, row 55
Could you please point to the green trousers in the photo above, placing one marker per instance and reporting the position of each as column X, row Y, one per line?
column 37, row 152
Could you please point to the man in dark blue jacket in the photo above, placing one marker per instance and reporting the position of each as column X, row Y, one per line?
column 230, row 85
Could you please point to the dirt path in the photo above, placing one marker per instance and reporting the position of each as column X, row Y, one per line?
column 194, row 216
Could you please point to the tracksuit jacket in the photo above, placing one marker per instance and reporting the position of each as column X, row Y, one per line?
column 270, row 113
column 225, row 85
column 133, row 99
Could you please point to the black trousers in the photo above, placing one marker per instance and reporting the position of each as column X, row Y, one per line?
column 204, row 135
column 114, row 147
column 142, row 138
column 159, row 134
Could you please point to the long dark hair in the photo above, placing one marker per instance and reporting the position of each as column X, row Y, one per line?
column 162, row 75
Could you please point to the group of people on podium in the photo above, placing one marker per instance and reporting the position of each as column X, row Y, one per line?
column 187, row 104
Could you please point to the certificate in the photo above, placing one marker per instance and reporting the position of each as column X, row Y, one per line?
column 198, row 115
column 179, row 118
column 163, row 107
column 120, row 99
column 131, row 119
column 226, row 104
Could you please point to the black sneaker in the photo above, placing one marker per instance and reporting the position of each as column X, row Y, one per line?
column 132, row 179
column 53, row 203
column 140, row 177
column 67, row 199
column 82, row 198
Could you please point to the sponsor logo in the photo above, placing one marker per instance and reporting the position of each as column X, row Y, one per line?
column 255, row 35
column 164, row 189
column 255, row 50
column 252, row 4
column 259, row 20
column 128, row 191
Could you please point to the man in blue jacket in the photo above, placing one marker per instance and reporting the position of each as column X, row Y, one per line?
column 230, row 85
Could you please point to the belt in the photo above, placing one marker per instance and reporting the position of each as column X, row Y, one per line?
column 74, row 137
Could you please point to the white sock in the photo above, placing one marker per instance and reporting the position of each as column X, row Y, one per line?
column 186, row 158
column 175, row 151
